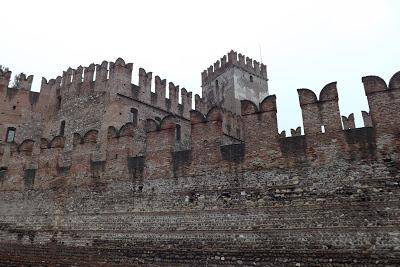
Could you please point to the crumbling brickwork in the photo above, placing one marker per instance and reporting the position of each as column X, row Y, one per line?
column 135, row 178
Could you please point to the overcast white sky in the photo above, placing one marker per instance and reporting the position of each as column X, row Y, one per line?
column 305, row 44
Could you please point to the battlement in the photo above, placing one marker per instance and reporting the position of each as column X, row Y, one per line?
column 25, row 83
column 383, row 101
column 374, row 84
column 115, row 78
column 234, row 59
column 211, row 135
column 105, row 167
column 4, row 78
column 255, row 126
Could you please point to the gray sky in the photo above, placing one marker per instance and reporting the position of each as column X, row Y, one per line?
column 305, row 44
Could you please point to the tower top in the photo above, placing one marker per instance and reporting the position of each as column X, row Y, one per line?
column 233, row 58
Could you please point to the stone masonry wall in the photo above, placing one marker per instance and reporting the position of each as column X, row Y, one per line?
column 135, row 197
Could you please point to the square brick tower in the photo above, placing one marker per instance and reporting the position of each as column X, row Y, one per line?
column 232, row 79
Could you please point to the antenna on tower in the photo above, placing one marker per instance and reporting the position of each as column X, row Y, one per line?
column 259, row 47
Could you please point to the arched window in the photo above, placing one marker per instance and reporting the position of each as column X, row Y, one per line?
column 216, row 84
column 10, row 134
column 251, row 78
column 178, row 132
column 62, row 128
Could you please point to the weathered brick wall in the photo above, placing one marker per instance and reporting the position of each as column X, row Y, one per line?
column 18, row 109
column 138, row 197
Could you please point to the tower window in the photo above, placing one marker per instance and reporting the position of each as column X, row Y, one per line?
column 10, row 134
column 134, row 116
column 251, row 78
column 58, row 102
column 216, row 84
column 178, row 132
column 323, row 129
column 62, row 128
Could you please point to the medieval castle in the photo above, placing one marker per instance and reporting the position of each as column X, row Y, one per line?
column 97, row 171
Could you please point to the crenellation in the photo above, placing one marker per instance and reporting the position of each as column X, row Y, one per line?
column 374, row 84
column 223, row 61
column 186, row 100
column 69, row 74
column 145, row 79
column 89, row 73
column 160, row 88
column 78, row 76
column 248, row 107
column 4, row 79
column 204, row 76
column 366, row 119
column 241, row 60
column 197, row 116
column 232, row 56
column 102, row 71
column 323, row 114
column 200, row 104
column 256, row 67
column 382, row 101
column 249, row 63
column 217, row 65
column 215, row 114
column 57, row 82
column 268, row 104
column 394, row 82
column 210, row 71
column 101, row 76
column 348, row 122
column 120, row 77
column 329, row 92
column 25, row 82
column 263, row 71
column 151, row 183
column 296, row 132
column 173, row 97
column 46, row 86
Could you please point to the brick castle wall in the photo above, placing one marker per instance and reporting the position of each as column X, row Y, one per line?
column 135, row 193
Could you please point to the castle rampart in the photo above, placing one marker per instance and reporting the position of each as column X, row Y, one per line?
column 137, row 178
